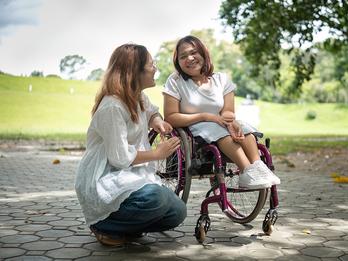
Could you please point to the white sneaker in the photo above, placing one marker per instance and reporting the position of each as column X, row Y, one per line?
column 253, row 178
column 271, row 176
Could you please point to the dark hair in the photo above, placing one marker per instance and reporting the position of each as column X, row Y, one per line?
column 207, row 68
column 122, row 77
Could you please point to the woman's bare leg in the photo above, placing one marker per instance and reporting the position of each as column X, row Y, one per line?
column 233, row 151
column 250, row 148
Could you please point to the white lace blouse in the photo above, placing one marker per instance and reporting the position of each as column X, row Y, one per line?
column 105, row 176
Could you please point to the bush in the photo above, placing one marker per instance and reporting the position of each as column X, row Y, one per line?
column 53, row 76
column 311, row 115
column 36, row 74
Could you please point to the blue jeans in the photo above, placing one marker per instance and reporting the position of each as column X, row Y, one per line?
column 152, row 208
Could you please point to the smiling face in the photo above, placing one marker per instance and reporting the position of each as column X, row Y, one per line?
column 147, row 76
column 190, row 60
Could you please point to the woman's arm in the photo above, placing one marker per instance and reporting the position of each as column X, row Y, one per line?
column 228, row 109
column 228, row 115
column 159, row 125
column 162, row 151
column 176, row 119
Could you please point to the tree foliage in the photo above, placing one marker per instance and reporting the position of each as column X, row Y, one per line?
column 71, row 64
column 95, row 75
column 264, row 27
column 37, row 73
column 164, row 60
column 329, row 81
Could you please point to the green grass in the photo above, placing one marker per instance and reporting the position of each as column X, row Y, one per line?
column 290, row 119
column 50, row 107
column 52, row 112
column 282, row 145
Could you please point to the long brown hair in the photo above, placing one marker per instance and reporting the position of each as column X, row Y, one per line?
column 122, row 78
column 208, row 66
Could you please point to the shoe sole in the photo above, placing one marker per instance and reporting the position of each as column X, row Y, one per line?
column 262, row 186
column 108, row 241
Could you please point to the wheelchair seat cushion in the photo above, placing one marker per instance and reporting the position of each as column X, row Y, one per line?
column 212, row 132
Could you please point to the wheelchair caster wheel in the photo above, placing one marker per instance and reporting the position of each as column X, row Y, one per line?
column 268, row 229
column 269, row 221
column 200, row 236
column 203, row 224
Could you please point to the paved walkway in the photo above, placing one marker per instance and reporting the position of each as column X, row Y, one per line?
column 40, row 219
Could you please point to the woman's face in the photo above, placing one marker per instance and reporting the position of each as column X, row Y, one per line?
column 147, row 76
column 190, row 61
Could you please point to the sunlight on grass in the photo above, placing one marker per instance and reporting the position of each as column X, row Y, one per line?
column 60, row 110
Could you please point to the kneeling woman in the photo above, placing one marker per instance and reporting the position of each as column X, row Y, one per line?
column 120, row 195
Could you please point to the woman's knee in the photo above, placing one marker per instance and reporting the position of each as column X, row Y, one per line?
column 178, row 207
column 181, row 211
column 153, row 196
column 250, row 138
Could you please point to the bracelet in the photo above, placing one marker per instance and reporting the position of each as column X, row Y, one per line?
column 155, row 115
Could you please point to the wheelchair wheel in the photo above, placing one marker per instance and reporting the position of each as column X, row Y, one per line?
column 243, row 205
column 173, row 170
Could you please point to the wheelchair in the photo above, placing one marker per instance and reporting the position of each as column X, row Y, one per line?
column 197, row 159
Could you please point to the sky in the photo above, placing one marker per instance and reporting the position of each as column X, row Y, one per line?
column 37, row 34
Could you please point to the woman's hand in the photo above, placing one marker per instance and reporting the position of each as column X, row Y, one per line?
column 161, row 126
column 236, row 131
column 228, row 116
column 214, row 118
column 166, row 147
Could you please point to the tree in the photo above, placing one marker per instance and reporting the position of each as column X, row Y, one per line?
column 341, row 73
column 71, row 64
column 164, row 60
column 264, row 27
column 95, row 75
column 36, row 74
column 53, row 76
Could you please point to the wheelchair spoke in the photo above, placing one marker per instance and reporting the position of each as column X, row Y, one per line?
column 243, row 204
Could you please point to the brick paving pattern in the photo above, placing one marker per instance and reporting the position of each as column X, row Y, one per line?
column 40, row 219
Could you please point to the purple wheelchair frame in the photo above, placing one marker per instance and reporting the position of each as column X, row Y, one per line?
column 220, row 192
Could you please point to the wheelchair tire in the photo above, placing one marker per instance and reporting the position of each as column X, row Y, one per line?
column 244, row 205
column 174, row 169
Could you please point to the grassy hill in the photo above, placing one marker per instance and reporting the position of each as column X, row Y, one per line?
column 60, row 109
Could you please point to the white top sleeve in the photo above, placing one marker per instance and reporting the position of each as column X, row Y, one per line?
column 171, row 86
column 111, row 125
column 228, row 85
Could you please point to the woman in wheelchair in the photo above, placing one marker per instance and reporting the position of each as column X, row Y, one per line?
column 116, row 185
column 197, row 98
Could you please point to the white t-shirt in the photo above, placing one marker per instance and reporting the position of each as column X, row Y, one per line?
column 195, row 99
column 105, row 176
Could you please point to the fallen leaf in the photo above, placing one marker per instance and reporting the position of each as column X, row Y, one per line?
column 306, row 231
column 341, row 179
column 56, row 161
